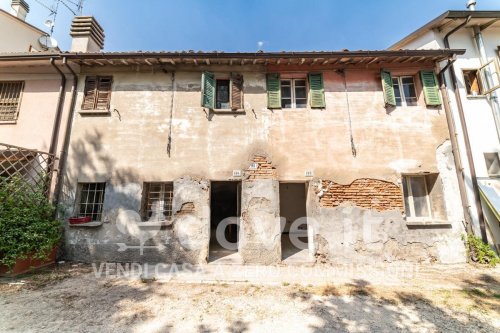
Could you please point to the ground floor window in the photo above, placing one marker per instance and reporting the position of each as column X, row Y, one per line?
column 157, row 201
column 417, row 202
column 91, row 200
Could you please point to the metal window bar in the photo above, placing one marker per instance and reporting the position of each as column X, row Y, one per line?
column 10, row 98
column 158, row 201
column 34, row 167
column 91, row 200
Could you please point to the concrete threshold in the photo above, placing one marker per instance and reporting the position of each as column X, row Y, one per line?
column 359, row 274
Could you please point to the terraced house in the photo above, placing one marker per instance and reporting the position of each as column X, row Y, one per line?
column 347, row 151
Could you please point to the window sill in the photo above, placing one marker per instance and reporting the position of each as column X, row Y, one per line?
column 8, row 122
column 154, row 224
column 427, row 222
column 95, row 112
column 297, row 109
column 228, row 111
column 476, row 97
column 93, row 224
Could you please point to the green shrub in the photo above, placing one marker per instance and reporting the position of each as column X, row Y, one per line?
column 27, row 226
column 479, row 251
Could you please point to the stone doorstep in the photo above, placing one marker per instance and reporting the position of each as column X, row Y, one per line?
column 302, row 275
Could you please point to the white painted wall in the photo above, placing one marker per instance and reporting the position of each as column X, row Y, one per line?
column 483, row 135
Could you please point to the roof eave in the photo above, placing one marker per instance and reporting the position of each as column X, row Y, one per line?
column 451, row 14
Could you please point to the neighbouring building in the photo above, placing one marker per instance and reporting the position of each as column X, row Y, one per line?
column 164, row 146
column 32, row 99
column 472, row 90
column 17, row 34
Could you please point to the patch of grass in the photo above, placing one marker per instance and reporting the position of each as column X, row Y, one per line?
column 285, row 284
column 479, row 251
column 329, row 290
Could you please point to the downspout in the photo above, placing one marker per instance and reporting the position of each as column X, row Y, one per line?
column 67, row 134
column 454, row 86
column 60, row 105
column 454, row 146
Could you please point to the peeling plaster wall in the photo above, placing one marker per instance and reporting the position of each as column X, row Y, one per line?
column 349, row 233
column 260, row 226
column 184, row 239
column 129, row 146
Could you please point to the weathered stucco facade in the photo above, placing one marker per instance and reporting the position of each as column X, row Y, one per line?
column 354, row 138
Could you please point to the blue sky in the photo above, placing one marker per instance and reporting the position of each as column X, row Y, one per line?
column 238, row 25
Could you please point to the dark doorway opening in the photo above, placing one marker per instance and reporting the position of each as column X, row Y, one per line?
column 225, row 209
column 293, row 209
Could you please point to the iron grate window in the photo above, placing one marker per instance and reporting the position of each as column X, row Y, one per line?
column 10, row 98
column 91, row 199
column 157, row 204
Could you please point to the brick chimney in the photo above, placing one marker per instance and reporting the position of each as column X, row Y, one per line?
column 88, row 35
column 19, row 9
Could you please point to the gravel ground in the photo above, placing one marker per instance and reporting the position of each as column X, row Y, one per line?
column 70, row 299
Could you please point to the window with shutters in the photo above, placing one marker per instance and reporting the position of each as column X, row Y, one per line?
column 97, row 93
column 90, row 200
column 10, row 99
column 222, row 93
column 404, row 90
column 482, row 81
column 157, row 201
column 293, row 94
column 471, row 82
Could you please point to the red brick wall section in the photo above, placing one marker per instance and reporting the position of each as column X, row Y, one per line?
column 265, row 169
column 365, row 193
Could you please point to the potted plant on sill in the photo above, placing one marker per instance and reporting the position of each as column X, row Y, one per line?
column 29, row 234
column 79, row 219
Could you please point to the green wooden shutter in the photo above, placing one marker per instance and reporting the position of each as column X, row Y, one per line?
column 387, row 87
column 208, row 90
column 317, row 90
column 431, row 88
column 273, row 91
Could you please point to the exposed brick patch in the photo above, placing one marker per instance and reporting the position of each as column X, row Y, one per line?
column 365, row 193
column 265, row 169
column 186, row 208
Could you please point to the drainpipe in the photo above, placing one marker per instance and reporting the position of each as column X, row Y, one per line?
column 454, row 146
column 478, row 37
column 60, row 105
column 67, row 134
column 454, row 86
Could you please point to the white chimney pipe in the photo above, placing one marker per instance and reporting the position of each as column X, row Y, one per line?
column 471, row 5
column 19, row 9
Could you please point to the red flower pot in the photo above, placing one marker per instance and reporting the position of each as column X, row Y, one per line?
column 29, row 264
column 79, row 220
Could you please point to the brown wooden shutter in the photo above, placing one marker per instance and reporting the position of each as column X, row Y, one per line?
column 103, row 93
column 90, row 93
column 237, row 92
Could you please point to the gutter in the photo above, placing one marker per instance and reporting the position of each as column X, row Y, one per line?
column 63, row 155
column 454, row 86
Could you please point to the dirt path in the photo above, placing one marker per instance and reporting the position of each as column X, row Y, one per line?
column 71, row 299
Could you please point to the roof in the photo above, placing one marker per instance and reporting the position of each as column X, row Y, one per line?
column 341, row 58
column 449, row 20
column 41, row 32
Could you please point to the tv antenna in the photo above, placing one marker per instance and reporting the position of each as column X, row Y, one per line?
column 73, row 6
